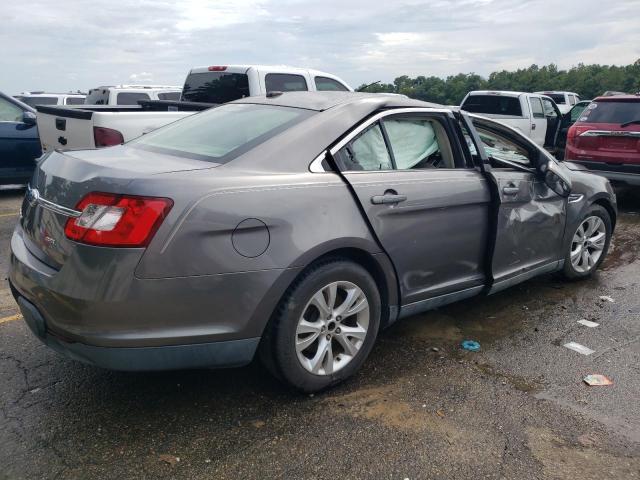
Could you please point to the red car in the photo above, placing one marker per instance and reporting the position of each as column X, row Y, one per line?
column 606, row 138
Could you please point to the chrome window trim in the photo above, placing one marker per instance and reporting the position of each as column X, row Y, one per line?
column 371, row 120
column 316, row 165
column 609, row 133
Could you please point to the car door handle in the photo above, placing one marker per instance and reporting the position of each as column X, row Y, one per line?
column 389, row 197
column 510, row 190
column 533, row 126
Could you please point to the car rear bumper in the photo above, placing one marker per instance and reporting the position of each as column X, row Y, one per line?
column 619, row 173
column 109, row 318
column 231, row 353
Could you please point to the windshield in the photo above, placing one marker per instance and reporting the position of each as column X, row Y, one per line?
column 611, row 112
column 221, row 134
column 493, row 104
column 215, row 87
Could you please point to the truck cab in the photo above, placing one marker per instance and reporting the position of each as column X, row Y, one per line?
column 224, row 83
column 534, row 115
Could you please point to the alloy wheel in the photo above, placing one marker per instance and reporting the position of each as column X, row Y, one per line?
column 332, row 328
column 588, row 243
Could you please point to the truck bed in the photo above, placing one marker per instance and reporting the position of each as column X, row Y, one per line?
column 72, row 127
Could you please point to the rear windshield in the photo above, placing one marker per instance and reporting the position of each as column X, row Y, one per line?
column 97, row 96
column 215, row 87
column 33, row 101
column 611, row 112
column 221, row 134
column 175, row 96
column 493, row 104
column 74, row 100
column 557, row 97
column 131, row 98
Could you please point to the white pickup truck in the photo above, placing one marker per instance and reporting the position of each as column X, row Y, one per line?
column 536, row 116
column 94, row 126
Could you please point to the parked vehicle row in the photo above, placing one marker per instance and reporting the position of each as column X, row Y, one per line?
column 312, row 203
column 109, row 121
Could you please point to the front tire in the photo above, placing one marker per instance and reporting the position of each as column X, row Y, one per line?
column 589, row 244
column 325, row 326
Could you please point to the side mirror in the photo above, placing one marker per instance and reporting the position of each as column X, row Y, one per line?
column 557, row 179
column 29, row 118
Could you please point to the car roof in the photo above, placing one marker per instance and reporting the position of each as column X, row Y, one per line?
column 321, row 101
column 44, row 94
column 506, row 93
column 136, row 87
column 618, row 98
column 556, row 92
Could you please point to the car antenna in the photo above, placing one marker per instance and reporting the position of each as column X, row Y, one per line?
column 364, row 87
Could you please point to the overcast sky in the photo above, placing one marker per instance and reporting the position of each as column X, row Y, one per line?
column 58, row 45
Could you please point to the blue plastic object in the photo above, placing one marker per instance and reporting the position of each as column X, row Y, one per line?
column 471, row 345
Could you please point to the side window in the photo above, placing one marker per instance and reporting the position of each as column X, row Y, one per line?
column 173, row 96
column 418, row 143
column 325, row 84
column 74, row 101
column 367, row 151
column 536, row 107
column 284, row 82
column 131, row 98
column 9, row 112
column 501, row 147
column 549, row 111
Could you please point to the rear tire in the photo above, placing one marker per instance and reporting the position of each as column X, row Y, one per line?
column 324, row 328
column 589, row 243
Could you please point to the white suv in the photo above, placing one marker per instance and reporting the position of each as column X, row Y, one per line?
column 130, row 94
column 564, row 100
column 41, row 98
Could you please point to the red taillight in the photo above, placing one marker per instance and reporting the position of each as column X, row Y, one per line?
column 117, row 220
column 217, row 68
column 572, row 132
column 107, row 137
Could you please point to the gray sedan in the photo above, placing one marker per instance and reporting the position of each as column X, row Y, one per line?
column 293, row 227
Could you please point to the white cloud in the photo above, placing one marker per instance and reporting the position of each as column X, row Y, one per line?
column 142, row 77
column 67, row 46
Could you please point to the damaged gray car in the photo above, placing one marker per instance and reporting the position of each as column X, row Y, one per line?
column 293, row 227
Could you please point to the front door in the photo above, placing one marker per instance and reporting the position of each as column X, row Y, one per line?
column 19, row 143
column 531, row 216
column 538, row 121
column 428, row 209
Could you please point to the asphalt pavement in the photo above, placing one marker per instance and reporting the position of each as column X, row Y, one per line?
column 421, row 407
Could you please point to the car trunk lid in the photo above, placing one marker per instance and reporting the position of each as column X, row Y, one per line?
column 61, row 180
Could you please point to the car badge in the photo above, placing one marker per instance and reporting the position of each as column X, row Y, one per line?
column 33, row 195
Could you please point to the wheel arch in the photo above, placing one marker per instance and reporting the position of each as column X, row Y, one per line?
column 360, row 252
column 608, row 206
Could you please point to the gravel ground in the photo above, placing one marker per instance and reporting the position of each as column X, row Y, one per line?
column 420, row 408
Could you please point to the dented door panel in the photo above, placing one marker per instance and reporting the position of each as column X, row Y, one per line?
column 530, row 224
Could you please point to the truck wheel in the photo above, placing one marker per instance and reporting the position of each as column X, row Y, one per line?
column 324, row 328
column 589, row 244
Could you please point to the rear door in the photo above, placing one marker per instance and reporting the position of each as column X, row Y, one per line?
column 538, row 120
column 531, row 217
column 428, row 208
